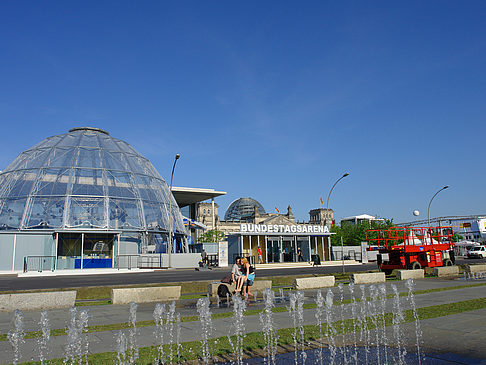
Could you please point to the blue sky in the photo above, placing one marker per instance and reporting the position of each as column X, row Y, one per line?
column 273, row 100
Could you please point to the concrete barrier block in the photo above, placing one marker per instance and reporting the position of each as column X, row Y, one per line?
column 259, row 285
column 314, row 282
column 37, row 301
column 445, row 271
column 476, row 268
column 145, row 295
column 368, row 278
column 410, row 274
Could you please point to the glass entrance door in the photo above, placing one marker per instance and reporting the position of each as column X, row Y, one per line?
column 273, row 249
column 288, row 250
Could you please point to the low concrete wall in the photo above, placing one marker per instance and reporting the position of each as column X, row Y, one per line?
column 368, row 278
column 37, row 301
column 476, row 268
column 445, row 271
column 410, row 274
column 145, row 295
column 258, row 285
column 314, row 282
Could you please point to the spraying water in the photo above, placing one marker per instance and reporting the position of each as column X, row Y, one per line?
column 239, row 307
column 343, row 323
column 363, row 323
column 331, row 331
column 132, row 334
column 206, row 327
column 169, row 328
column 398, row 319
column 418, row 331
column 319, row 315
column 269, row 331
column 45, row 334
column 121, row 348
column 159, row 312
column 384, row 338
column 16, row 335
column 375, row 320
column 354, row 315
column 77, row 341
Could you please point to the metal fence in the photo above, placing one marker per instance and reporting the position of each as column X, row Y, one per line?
column 39, row 263
column 127, row 261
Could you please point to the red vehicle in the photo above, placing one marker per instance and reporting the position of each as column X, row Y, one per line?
column 412, row 247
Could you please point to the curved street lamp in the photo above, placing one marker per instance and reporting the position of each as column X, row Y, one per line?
column 327, row 212
column 177, row 156
column 327, row 205
column 428, row 208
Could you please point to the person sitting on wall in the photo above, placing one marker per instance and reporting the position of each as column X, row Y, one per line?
column 249, row 283
column 248, row 274
column 236, row 270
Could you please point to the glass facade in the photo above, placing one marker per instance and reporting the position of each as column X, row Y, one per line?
column 85, row 179
column 241, row 208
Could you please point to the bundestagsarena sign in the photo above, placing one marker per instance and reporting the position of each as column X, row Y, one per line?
column 281, row 228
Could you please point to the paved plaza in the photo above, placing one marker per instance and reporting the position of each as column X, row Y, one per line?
column 461, row 334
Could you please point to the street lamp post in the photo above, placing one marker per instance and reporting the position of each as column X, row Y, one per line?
column 177, row 156
column 428, row 208
column 327, row 212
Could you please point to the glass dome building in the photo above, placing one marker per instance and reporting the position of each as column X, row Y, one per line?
column 96, row 198
column 242, row 207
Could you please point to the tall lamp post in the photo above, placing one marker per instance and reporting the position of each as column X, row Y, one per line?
column 327, row 212
column 428, row 208
column 170, row 210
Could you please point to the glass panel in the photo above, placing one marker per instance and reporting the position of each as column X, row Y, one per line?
column 69, row 140
column 119, row 185
column 45, row 213
column 88, row 182
column 89, row 140
column 146, row 188
column 53, row 182
column 97, row 250
column 61, row 157
column 20, row 183
column 106, row 143
column 89, row 157
column 11, row 212
column 115, row 161
column 87, row 212
column 69, row 251
column 37, row 159
column 124, row 213
column 154, row 217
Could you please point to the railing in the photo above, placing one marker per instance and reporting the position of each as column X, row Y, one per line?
column 127, row 261
column 150, row 262
column 39, row 263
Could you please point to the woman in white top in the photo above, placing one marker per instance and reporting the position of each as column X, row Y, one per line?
column 236, row 270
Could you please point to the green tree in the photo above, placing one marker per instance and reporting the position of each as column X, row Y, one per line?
column 354, row 234
column 212, row 235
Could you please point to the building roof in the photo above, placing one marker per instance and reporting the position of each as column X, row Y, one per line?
column 361, row 217
column 186, row 196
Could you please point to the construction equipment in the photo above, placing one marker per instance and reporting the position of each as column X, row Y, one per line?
column 411, row 247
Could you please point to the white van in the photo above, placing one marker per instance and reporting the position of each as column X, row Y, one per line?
column 476, row 252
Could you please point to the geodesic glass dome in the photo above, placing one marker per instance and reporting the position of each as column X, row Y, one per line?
column 85, row 179
column 242, row 207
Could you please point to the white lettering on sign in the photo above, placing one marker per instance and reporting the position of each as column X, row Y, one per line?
column 280, row 228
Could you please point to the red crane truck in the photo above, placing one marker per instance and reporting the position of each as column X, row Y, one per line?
column 411, row 247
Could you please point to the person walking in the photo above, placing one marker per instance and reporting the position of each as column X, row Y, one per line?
column 260, row 259
column 300, row 258
column 204, row 258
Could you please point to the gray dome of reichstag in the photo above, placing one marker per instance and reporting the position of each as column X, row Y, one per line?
column 242, row 207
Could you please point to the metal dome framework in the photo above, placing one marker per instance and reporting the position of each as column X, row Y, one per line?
column 242, row 207
column 85, row 179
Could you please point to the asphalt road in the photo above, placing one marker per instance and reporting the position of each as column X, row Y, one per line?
column 8, row 283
